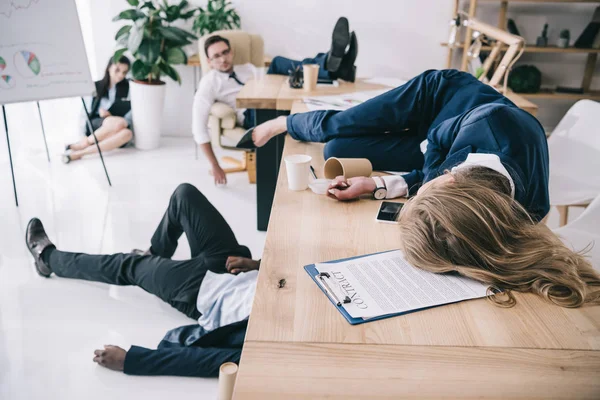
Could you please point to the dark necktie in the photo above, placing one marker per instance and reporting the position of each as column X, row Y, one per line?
column 235, row 78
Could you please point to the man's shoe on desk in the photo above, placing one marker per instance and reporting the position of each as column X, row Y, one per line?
column 347, row 69
column 340, row 38
column 37, row 241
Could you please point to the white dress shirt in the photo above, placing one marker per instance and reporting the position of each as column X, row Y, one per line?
column 397, row 187
column 224, row 299
column 219, row 86
column 107, row 102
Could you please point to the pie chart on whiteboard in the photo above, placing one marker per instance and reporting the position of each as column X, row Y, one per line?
column 2, row 64
column 27, row 64
column 6, row 82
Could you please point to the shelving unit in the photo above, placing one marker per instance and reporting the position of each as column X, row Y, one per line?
column 592, row 54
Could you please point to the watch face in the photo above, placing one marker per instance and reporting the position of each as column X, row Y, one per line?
column 380, row 194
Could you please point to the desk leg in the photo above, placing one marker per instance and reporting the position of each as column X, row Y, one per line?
column 268, row 160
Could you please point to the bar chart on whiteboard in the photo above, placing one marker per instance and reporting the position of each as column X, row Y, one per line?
column 42, row 55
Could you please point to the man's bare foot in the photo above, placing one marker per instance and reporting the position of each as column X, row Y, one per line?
column 265, row 131
column 112, row 357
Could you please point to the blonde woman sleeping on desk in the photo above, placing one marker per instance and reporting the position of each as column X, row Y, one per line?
column 479, row 186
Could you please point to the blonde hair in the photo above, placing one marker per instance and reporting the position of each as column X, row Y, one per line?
column 473, row 227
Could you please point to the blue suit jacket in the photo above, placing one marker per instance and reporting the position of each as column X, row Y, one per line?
column 189, row 351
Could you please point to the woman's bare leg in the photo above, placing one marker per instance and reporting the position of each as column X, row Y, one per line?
column 110, row 142
column 110, row 126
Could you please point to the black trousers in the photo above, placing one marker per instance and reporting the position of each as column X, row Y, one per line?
column 176, row 282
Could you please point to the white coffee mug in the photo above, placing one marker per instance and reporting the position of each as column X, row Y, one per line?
column 298, row 167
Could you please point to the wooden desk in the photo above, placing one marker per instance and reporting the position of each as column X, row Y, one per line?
column 299, row 346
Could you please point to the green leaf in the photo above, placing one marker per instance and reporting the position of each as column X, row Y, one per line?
column 135, row 38
column 174, row 35
column 134, row 2
column 188, row 14
column 118, row 55
column 149, row 5
column 124, row 29
column 149, row 51
column 176, row 56
column 140, row 70
column 170, row 72
column 172, row 13
column 183, row 32
column 132, row 14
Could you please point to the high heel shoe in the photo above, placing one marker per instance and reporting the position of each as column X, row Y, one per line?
column 66, row 158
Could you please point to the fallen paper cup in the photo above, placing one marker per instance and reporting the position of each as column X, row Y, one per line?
column 347, row 167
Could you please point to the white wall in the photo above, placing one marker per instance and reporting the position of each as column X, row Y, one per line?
column 396, row 38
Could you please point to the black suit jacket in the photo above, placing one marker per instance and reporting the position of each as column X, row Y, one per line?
column 122, row 92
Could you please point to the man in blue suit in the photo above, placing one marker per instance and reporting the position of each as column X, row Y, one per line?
column 220, row 271
column 437, row 121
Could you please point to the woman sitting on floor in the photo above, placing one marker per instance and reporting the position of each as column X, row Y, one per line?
column 112, row 130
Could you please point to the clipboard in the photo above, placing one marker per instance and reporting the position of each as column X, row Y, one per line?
column 336, row 301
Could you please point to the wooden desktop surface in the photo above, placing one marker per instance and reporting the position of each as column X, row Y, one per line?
column 299, row 346
column 274, row 93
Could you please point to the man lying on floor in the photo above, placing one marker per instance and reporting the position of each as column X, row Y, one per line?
column 215, row 286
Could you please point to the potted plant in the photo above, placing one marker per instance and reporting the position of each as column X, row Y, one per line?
column 564, row 38
column 156, row 46
column 218, row 15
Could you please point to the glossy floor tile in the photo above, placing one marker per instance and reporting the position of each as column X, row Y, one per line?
column 49, row 328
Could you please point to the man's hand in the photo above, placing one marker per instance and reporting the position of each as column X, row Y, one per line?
column 349, row 189
column 235, row 265
column 112, row 357
column 219, row 175
column 104, row 113
column 265, row 131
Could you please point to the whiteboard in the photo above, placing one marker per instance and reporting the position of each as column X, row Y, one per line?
column 42, row 55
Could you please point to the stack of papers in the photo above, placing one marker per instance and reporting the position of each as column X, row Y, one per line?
column 340, row 102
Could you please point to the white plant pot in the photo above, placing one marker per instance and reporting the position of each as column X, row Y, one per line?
column 147, row 103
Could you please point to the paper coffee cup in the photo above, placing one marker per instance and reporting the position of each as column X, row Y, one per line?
column 227, row 375
column 311, row 75
column 347, row 167
column 297, row 166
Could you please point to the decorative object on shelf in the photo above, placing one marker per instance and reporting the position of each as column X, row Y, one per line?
column 218, row 15
column 156, row 46
column 591, row 33
column 296, row 78
column 499, row 37
column 542, row 41
column 564, row 39
column 454, row 28
column 525, row 79
column 512, row 27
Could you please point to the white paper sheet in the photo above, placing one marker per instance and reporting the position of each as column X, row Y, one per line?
column 340, row 101
column 385, row 283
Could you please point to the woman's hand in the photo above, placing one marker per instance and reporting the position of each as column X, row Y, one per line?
column 235, row 265
column 348, row 189
column 219, row 175
column 104, row 113
column 265, row 131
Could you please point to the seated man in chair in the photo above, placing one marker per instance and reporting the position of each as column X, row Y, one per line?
column 225, row 80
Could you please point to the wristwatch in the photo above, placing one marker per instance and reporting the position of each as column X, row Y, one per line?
column 380, row 191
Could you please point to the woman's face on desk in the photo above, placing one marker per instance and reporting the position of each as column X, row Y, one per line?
column 117, row 72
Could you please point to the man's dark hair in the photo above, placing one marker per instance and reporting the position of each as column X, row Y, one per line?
column 212, row 40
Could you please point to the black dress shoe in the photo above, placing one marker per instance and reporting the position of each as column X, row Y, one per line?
column 339, row 41
column 37, row 241
column 347, row 69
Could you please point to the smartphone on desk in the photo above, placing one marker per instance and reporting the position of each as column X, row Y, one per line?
column 388, row 212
